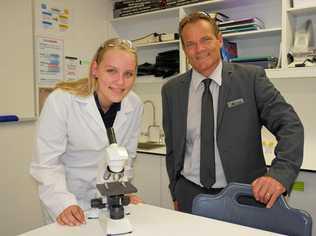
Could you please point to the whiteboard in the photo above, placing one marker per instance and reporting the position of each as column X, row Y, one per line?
column 17, row 90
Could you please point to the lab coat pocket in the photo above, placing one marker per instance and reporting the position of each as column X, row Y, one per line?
column 80, row 183
column 86, row 139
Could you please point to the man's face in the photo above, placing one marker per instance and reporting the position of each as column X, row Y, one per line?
column 201, row 46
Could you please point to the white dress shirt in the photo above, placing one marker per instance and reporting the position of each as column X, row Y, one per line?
column 191, row 168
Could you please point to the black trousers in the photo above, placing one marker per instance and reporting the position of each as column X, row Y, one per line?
column 185, row 192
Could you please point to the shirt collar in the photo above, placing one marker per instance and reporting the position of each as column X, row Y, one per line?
column 115, row 107
column 126, row 104
column 216, row 76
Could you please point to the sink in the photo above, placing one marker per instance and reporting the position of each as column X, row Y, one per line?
column 149, row 145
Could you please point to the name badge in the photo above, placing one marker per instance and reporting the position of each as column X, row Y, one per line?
column 235, row 103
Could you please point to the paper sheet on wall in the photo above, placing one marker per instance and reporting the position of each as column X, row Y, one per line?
column 71, row 68
column 49, row 60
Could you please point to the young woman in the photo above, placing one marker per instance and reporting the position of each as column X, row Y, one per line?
column 71, row 137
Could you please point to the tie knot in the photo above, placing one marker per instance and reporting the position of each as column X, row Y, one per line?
column 207, row 82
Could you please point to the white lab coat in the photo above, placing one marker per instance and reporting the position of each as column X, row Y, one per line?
column 71, row 141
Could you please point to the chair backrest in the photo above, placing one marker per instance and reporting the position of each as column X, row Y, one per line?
column 230, row 205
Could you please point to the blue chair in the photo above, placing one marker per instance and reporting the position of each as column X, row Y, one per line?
column 235, row 204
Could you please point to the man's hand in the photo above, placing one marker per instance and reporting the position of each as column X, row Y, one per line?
column 267, row 189
column 72, row 216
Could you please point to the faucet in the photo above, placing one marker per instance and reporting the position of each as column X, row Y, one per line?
column 154, row 124
column 154, row 111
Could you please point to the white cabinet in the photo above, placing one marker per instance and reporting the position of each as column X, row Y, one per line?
column 305, row 198
column 151, row 180
column 276, row 15
column 279, row 17
column 165, row 196
column 292, row 20
column 147, row 178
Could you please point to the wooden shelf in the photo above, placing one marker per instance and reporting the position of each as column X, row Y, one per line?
column 170, row 11
column 46, row 86
column 292, row 73
column 202, row 5
column 160, row 13
column 287, row 73
column 254, row 34
column 152, row 79
column 156, row 44
column 299, row 11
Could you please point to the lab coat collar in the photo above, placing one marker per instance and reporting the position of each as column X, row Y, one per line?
column 92, row 110
column 90, row 106
column 126, row 105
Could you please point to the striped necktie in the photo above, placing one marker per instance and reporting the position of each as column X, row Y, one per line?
column 207, row 154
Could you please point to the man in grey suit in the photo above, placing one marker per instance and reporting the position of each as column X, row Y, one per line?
column 243, row 100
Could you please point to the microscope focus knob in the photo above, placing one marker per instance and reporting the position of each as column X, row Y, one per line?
column 97, row 203
column 125, row 200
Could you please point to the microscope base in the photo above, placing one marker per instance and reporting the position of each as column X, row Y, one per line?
column 114, row 227
column 118, row 227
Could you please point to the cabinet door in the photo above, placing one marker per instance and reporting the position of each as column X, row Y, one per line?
column 305, row 199
column 147, row 178
column 166, row 200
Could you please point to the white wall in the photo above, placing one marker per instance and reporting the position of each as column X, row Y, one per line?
column 19, row 203
column 16, row 53
column 150, row 91
column 87, row 27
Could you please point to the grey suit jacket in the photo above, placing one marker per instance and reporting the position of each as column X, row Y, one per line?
column 247, row 101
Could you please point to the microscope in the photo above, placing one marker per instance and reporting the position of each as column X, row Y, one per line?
column 112, row 185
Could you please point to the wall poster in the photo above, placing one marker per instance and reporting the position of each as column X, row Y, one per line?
column 49, row 57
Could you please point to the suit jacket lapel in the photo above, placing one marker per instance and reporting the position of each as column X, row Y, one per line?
column 223, row 92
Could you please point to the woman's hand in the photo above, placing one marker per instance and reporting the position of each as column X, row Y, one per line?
column 134, row 199
column 176, row 205
column 72, row 216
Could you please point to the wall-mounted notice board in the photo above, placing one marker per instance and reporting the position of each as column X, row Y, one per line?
column 17, row 87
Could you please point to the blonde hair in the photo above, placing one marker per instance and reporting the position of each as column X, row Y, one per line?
column 85, row 87
column 194, row 17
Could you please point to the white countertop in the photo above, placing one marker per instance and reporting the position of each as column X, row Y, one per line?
column 158, row 151
column 151, row 220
